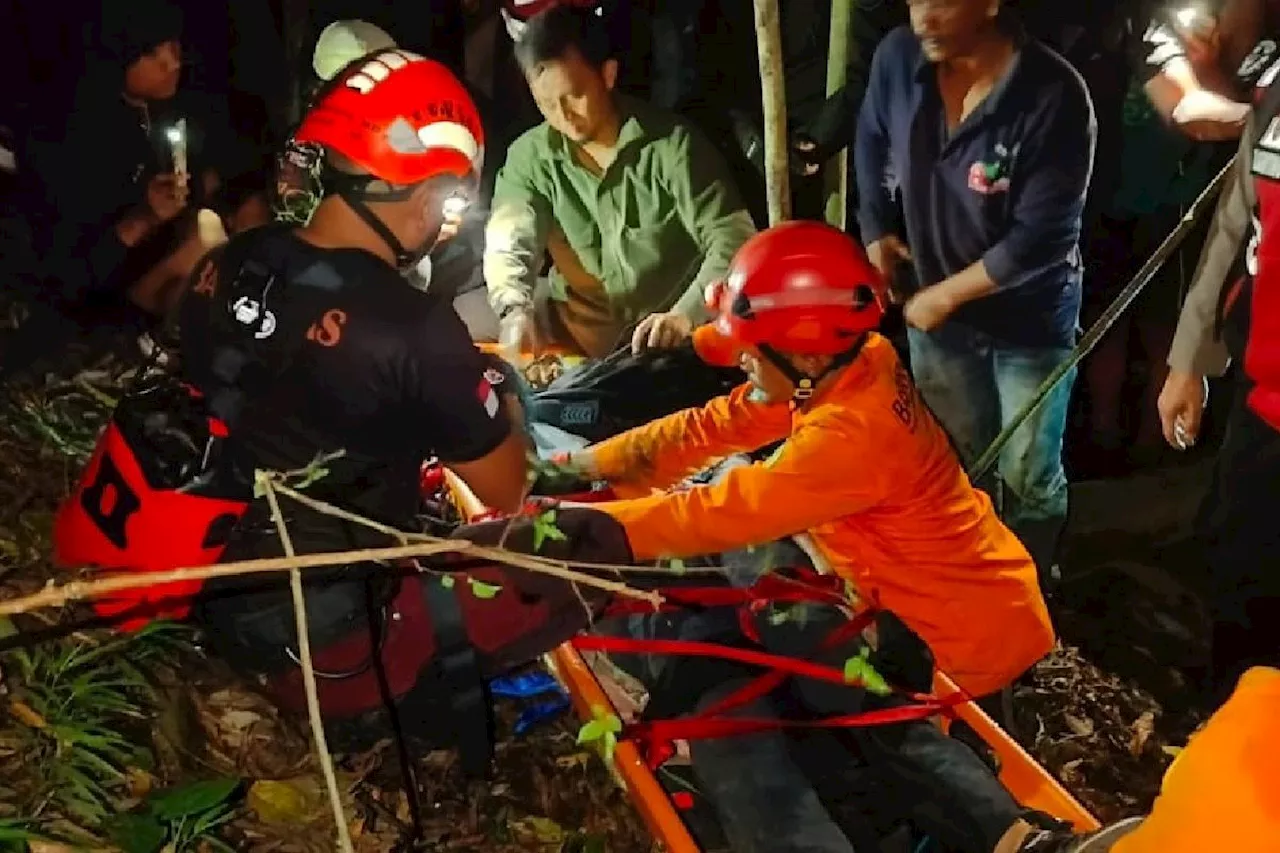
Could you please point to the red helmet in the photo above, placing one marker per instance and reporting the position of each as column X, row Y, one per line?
column 800, row 287
column 402, row 118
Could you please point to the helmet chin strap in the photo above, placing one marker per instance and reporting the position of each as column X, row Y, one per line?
column 357, row 191
column 403, row 257
column 805, row 383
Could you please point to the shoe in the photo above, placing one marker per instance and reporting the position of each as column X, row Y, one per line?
column 1065, row 841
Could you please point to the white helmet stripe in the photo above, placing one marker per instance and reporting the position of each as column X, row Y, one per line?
column 450, row 134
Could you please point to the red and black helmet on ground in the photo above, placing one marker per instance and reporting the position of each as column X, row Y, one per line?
column 799, row 288
column 400, row 117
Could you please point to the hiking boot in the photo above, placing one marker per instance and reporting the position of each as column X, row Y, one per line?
column 1065, row 841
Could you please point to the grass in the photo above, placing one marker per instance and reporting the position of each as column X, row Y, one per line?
column 84, row 708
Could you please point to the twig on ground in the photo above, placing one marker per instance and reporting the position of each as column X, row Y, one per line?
column 308, row 668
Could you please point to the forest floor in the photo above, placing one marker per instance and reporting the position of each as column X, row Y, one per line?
column 93, row 726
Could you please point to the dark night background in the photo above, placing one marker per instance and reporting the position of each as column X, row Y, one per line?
column 234, row 48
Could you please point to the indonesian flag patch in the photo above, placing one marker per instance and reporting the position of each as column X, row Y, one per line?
column 487, row 397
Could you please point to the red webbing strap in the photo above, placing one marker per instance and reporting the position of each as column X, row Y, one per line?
column 770, row 681
column 657, row 737
column 691, row 648
column 815, row 589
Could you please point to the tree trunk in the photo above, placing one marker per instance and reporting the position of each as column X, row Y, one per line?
column 839, row 50
column 295, row 16
column 776, row 175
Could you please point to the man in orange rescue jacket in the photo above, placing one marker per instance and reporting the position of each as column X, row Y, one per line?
column 1223, row 791
column 865, row 470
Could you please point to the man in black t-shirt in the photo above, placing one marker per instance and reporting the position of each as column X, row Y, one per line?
column 310, row 343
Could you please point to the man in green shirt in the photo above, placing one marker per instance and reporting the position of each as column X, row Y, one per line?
column 634, row 207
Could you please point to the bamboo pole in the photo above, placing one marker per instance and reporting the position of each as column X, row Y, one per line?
column 840, row 52
column 773, row 91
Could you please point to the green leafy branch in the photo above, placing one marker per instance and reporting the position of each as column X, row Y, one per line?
column 480, row 589
column 180, row 819
column 302, row 478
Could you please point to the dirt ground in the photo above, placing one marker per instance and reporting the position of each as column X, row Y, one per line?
column 1104, row 738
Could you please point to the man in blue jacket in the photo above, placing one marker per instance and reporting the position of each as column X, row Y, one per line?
column 985, row 137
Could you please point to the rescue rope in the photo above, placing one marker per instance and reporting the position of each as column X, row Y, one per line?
column 1090, row 339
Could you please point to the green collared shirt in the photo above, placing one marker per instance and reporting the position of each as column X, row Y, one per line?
column 648, row 234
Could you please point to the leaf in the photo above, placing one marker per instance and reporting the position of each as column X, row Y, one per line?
column 860, row 671
column 192, row 798
column 544, row 528
column 603, row 724
column 1079, row 726
column 591, row 731
column 14, row 830
column 315, row 471
column 137, row 833
column 447, row 581
column 593, row 844
column 1142, row 729
column 483, row 591
column 310, row 476
column 292, row 801
column 539, row 830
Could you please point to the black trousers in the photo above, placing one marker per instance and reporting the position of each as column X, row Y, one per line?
column 1242, row 532
column 766, row 797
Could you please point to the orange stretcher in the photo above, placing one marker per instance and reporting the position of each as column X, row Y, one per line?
column 1029, row 783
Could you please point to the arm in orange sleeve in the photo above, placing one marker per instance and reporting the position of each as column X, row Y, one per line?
column 662, row 453
column 822, row 473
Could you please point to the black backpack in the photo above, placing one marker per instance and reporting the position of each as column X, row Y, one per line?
column 602, row 398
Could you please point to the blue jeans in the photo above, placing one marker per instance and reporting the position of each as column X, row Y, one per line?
column 975, row 386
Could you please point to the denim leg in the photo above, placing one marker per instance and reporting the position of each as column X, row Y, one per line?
column 954, row 369
column 1031, row 463
column 763, row 799
column 1035, row 502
